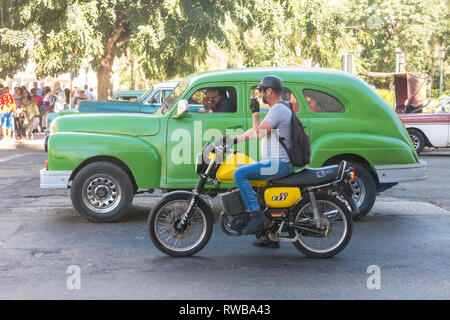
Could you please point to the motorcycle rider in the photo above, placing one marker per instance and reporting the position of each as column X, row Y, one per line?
column 275, row 163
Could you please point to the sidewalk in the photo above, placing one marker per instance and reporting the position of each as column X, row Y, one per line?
column 36, row 143
column 435, row 152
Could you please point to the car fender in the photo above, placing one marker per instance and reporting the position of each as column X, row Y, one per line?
column 366, row 146
column 69, row 151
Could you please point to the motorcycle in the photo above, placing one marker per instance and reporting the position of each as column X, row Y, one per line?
column 310, row 208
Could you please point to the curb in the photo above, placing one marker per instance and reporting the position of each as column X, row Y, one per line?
column 26, row 145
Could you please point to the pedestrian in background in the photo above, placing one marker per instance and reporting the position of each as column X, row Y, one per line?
column 57, row 98
column 1, row 110
column 67, row 102
column 36, row 117
column 45, row 107
column 87, row 93
column 80, row 97
column 94, row 96
column 35, row 86
column 18, row 96
column 76, row 94
column 19, row 119
column 25, row 94
column 8, row 104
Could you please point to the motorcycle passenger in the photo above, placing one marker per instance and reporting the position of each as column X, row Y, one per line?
column 275, row 163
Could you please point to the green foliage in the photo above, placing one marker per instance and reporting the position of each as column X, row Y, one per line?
column 417, row 27
column 172, row 38
column 388, row 96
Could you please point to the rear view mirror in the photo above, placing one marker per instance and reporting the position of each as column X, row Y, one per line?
column 182, row 108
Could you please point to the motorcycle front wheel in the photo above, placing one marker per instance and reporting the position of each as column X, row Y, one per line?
column 337, row 219
column 165, row 234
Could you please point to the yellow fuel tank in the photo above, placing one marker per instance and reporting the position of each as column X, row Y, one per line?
column 281, row 197
column 233, row 162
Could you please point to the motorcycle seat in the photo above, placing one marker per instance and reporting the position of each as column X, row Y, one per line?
column 308, row 177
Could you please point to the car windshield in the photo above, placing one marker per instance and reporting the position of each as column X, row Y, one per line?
column 143, row 97
column 173, row 97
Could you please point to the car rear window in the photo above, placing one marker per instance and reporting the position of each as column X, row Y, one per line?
column 322, row 102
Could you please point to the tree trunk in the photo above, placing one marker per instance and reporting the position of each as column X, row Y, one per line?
column 133, row 80
column 117, row 38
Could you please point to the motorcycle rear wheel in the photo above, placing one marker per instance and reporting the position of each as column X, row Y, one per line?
column 162, row 223
column 338, row 216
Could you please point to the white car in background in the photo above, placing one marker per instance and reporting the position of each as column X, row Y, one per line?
column 429, row 129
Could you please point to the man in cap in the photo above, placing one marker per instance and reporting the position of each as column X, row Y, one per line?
column 276, row 163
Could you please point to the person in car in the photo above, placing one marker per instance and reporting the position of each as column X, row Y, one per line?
column 216, row 100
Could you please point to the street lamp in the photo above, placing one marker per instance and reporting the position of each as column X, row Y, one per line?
column 397, row 57
column 442, row 52
column 401, row 62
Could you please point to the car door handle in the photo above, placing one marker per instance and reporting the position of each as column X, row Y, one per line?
column 239, row 126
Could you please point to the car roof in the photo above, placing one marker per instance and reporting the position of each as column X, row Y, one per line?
column 129, row 93
column 167, row 84
column 285, row 73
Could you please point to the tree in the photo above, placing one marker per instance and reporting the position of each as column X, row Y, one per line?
column 292, row 32
column 417, row 27
column 168, row 34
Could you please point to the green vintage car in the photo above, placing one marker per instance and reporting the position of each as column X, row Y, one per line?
column 105, row 159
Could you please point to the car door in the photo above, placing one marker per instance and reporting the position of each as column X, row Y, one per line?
column 291, row 93
column 187, row 135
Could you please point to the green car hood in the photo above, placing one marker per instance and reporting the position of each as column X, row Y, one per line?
column 123, row 124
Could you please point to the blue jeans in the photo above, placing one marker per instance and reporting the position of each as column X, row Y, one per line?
column 263, row 170
column 7, row 120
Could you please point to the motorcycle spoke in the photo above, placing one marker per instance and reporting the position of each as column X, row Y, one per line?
column 329, row 214
column 175, row 237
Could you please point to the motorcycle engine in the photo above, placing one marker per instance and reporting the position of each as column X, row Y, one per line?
column 238, row 221
column 234, row 210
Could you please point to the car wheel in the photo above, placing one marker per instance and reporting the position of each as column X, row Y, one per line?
column 364, row 189
column 417, row 139
column 102, row 192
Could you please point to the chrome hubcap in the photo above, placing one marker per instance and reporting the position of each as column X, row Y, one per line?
column 359, row 191
column 102, row 194
column 415, row 141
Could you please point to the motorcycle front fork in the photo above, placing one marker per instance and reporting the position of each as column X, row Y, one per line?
column 198, row 189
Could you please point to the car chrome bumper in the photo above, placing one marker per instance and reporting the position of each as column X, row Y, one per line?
column 402, row 173
column 54, row 179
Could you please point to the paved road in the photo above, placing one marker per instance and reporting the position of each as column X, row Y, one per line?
column 41, row 236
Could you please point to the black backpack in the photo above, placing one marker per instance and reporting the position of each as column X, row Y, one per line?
column 300, row 151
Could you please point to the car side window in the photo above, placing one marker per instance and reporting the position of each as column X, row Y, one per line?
column 286, row 95
column 322, row 102
column 213, row 100
column 157, row 97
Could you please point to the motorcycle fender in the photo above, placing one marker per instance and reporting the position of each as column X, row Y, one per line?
column 204, row 203
column 346, row 191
